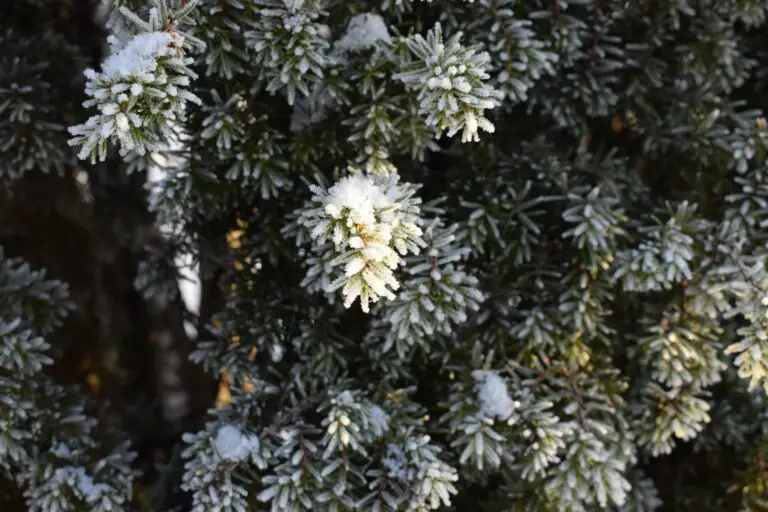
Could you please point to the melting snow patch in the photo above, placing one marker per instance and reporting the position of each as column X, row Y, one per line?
column 364, row 31
column 231, row 444
column 495, row 401
column 139, row 56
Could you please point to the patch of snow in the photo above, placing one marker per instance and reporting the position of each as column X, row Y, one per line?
column 90, row 491
column 139, row 56
column 363, row 32
column 80, row 482
column 361, row 196
column 379, row 420
column 495, row 401
column 233, row 445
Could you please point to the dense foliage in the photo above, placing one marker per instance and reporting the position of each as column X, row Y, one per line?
column 485, row 255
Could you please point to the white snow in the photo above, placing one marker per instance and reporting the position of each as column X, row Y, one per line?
column 495, row 401
column 379, row 420
column 231, row 444
column 81, row 482
column 361, row 196
column 138, row 57
column 363, row 32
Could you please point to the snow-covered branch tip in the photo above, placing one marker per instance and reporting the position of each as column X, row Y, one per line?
column 373, row 221
column 451, row 82
column 141, row 90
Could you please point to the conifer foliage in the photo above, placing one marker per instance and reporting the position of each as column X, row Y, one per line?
column 48, row 445
column 482, row 255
